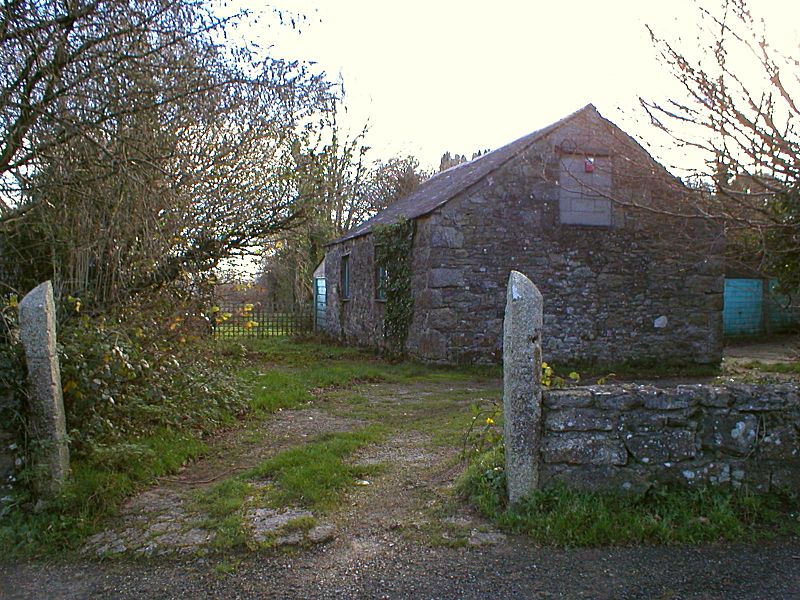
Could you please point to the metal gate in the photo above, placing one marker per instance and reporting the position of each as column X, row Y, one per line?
column 262, row 320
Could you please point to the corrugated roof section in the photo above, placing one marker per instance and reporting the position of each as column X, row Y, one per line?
column 443, row 186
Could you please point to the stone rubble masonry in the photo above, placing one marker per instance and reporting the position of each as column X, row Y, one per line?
column 605, row 289
column 37, row 320
column 631, row 437
column 522, row 389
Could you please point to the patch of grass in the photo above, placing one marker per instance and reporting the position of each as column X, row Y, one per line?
column 638, row 369
column 224, row 503
column 281, row 388
column 304, row 368
column 567, row 517
column 227, row 566
column 299, row 352
column 789, row 368
column 314, row 475
column 303, row 524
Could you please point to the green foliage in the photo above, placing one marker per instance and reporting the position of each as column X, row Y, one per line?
column 139, row 392
column 558, row 515
column 12, row 365
column 121, row 382
column 393, row 250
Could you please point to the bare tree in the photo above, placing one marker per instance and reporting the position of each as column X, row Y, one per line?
column 739, row 113
column 342, row 190
column 135, row 148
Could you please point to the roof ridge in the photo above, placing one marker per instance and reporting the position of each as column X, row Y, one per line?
column 426, row 198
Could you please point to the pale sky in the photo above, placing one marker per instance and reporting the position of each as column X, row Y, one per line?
column 436, row 75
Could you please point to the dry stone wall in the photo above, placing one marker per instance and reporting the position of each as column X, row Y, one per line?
column 631, row 437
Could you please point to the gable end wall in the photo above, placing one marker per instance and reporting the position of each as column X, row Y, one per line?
column 603, row 288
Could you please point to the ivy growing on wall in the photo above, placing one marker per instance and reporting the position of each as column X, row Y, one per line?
column 393, row 245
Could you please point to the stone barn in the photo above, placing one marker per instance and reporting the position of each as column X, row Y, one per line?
column 604, row 231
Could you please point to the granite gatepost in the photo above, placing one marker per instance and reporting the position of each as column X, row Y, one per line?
column 522, row 389
column 37, row 320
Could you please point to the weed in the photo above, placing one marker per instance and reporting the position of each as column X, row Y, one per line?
column 227, row 566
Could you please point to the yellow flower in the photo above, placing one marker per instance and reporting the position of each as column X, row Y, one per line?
column 489, row 421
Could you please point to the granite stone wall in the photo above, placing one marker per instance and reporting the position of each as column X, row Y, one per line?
column 630, row 437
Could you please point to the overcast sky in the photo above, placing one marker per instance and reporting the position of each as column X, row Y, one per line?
column 436, row 75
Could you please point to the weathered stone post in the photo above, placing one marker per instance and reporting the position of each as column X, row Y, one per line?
column 522, row 385
column 37, row 323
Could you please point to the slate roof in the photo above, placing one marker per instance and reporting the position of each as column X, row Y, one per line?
column 443, row 186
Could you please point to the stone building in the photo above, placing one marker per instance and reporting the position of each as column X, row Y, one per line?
column 603, row 230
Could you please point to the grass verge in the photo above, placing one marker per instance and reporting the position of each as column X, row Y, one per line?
column 792, row 368
column 567, row 517
column 98, row 485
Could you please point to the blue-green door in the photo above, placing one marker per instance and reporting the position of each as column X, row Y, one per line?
column 320, row 302
column 743, row 313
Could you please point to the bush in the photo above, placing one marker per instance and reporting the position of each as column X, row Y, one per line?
column 140, row 388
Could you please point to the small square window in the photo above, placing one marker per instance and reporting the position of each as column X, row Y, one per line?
column 381, row 279
column 585, row 187
column 345, row 277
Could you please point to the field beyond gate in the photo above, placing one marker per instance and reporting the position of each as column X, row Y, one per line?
column 262, row 320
